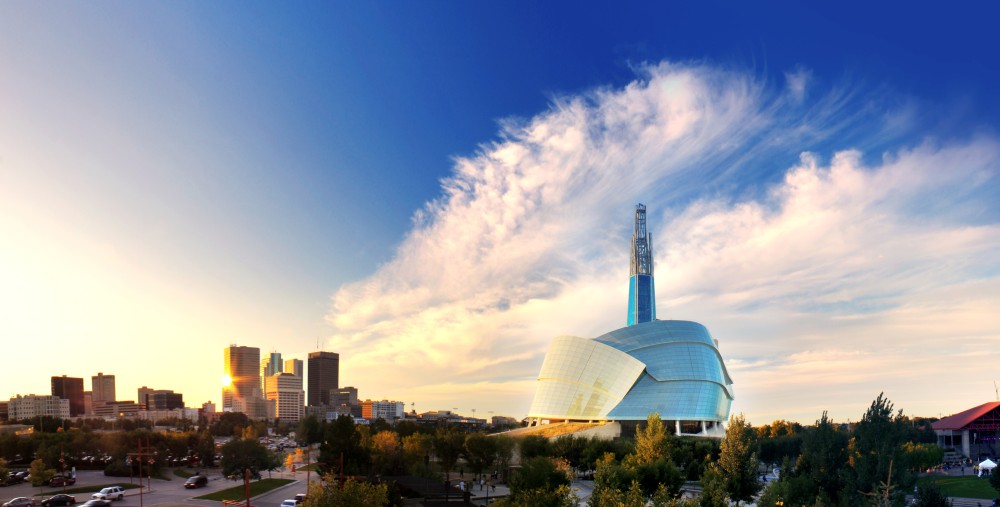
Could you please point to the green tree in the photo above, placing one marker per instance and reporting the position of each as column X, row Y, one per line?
column 540, row 482
column 416, row 451
column 387, row 452
column 713, row 489
column 533, row 446
column 995, row 480
column 505, row 451
column 652, row 442
column 310, row 430
column 480, row 451
column 204, row 448
column 242, row 454
column 4, row 471
column 329, row 493
column 876, row 451
column 448, row 446
column 343, row 439
column 738, row 462
column 824, row 459
column 229, row 424
column 929, row 495
column 40, row 474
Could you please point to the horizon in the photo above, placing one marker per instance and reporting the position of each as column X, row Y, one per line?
column 435, row 192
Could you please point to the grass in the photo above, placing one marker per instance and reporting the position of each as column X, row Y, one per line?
column 86, row 489
column 963, row 487
column 238, row 492
column 307, row 468
column 182, row 473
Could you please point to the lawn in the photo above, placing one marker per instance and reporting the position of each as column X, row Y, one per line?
column 964, row 487
column 238, row 492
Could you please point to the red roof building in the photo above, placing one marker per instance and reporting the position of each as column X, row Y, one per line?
column 975, row 431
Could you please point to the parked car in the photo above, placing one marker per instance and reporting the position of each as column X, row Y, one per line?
column 96, row 503
column 21, row 501
column 110, row 493
column 62, row 480
column 59, row 499
column 299, row 498
column 288, row 503
column 196, row 481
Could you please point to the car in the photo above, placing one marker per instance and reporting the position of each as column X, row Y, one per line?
column 110, row 493
column 62, row 480
column 299, row 498
column 59, row 499
column 96, row 503
column 196, row 481
column 21, row 501
column 288, row 503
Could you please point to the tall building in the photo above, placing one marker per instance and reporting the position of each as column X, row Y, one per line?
column 641, row 296
column 670, row 367
column 294, row 366
column 242, row 368
column 286, row 391
column 102, row 387
column 344, row 396
column 30, row 406
column 324, row 374
column 270, row 365
column 70, row 388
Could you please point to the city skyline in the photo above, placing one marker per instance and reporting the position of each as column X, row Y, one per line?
column 436, row 192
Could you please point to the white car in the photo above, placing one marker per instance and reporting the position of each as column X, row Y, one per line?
column 288, row 503
column 110, row 493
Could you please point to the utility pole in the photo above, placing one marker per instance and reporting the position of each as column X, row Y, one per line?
column 145, row 453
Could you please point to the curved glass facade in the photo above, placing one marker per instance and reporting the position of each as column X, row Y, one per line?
column 680, row 375
column 583, row 379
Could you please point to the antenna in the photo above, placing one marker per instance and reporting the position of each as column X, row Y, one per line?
column 995, row 391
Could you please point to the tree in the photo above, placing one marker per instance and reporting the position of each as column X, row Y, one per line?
column 995, row 480
column 387, row 452
column 877, row 444
column 416, row 452
column 39, row 473
column 541, row 482
column 738, row 460
column 329, row 493
column 4, row 471
column 713, row 489
column 343, row 439
column 480, row 451
column 243, row 454
column 448, row 446
column 929, row 495
column 823, row 459
column 310, row 430
column 533, row 446
column 204, row 448
column 229, row 424
column 652, row 443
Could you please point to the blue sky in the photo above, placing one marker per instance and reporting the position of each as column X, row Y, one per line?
column 446, row 187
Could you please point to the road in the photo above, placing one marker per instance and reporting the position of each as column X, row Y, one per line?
column 161, row 492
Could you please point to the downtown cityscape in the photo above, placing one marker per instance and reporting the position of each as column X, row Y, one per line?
column 520, row 254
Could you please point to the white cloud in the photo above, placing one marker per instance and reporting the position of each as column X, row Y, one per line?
column 797, row 82
column 842, row 275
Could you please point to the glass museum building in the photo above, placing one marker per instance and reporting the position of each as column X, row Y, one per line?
column 669, row 367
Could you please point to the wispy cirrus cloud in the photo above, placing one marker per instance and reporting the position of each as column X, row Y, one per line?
column 831, row 268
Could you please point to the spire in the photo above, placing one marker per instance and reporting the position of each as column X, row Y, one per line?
column 641, row 296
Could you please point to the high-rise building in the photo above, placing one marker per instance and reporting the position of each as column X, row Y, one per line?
column 641, row 296
column 70, row 388
column 324, row 374
column 242, row 368
column 294, row 366
column 102, row 387
column 286, row 391
column 270, row 365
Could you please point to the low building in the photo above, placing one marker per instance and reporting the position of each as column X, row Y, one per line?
column 113, row 409
column 385, row 409
column 973, row 433
column 26, row 407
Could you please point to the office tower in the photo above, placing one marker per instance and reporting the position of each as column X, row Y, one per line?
column 641, row 297
column 70, row 388
column 324, row 374
column 242, row 369
column 102, row 387
column 293, row 366
column 160, row 399
column 344, row 396
column 269, row 366
column 286, row 391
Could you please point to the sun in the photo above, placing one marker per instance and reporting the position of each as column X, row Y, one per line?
column 226, row 380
